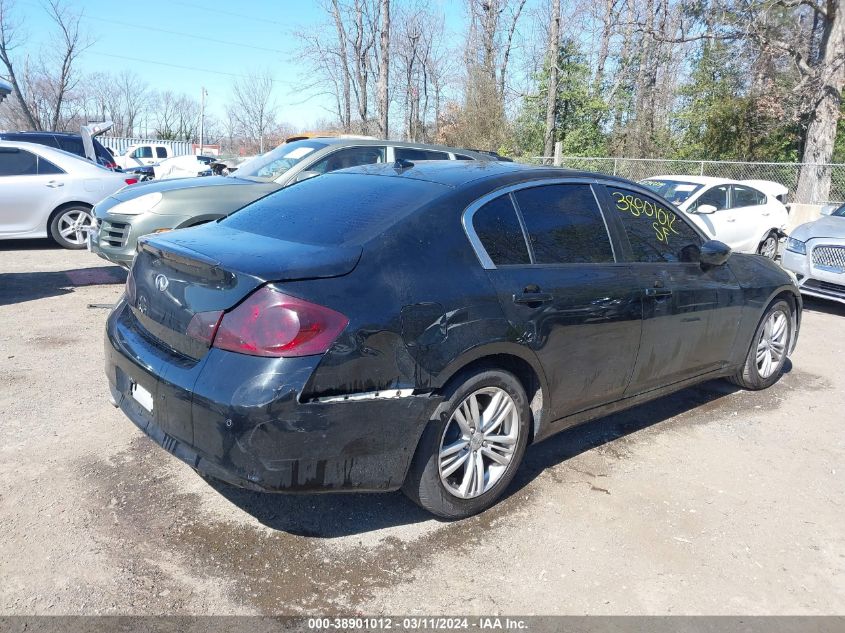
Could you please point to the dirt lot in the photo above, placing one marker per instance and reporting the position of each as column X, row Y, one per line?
column 711, row 501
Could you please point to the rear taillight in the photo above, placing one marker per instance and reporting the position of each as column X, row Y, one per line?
column 111, row 166
column 203, row 326
column 130, row 181
column 270, row 323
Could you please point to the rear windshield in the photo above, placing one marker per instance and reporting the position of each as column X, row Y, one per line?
column 675, row 191
column 335, row 209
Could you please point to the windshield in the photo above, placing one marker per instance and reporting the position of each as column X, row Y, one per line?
column 269, row 166
column 675, row 191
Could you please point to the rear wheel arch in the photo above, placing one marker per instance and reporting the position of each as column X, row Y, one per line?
column 63, row 206
column 506, row 358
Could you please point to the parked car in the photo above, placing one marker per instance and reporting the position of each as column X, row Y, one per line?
column 417, row 326
column 144, row 154
column 748, row 216
column 48, row 192
column 72, row 143
column 173, row 204
column 815, row 252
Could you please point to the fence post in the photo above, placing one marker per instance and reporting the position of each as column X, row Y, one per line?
column 615, row 166
column 558, row 159
column 701, row 172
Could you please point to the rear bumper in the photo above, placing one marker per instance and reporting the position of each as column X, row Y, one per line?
column 239, row 418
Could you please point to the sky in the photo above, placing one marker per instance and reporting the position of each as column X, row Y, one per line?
column 185, row 45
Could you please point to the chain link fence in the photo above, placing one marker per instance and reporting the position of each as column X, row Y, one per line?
column 639, row 168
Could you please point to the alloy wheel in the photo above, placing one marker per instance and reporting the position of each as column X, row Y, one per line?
column 769, row 247
column 478, row 443
column 74, row 225
column 771, row 348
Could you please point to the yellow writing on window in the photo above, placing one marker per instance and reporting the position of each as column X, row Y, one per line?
column 663, row 220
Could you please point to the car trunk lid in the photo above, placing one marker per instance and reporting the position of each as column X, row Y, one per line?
column 213, row 268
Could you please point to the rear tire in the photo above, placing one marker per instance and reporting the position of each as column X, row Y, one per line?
column 769, row 246
column 70, row 225
column 466, row 459
column 769, row 348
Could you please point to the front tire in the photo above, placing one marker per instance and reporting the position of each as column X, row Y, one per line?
column 768, row 248
column 466, row 458
column 767, row 356
column 70, row 226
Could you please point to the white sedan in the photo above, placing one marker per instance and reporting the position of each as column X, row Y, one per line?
column 46, row 192
column 748, row 216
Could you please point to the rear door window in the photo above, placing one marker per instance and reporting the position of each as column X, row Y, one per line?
column 742, row 196
column 656, row 232
column 46, row 168
column 497, row 227
column 143, row 152
column 564, row 224
column 17, row 162
column 161, row 152
column 349, row 157
column 413, row 153
column 715, row 196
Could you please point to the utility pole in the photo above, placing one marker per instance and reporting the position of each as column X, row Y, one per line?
column 203, row 94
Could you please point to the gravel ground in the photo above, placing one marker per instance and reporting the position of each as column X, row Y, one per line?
column 711, row 501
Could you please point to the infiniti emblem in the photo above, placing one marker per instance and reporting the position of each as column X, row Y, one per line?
column 161, row 282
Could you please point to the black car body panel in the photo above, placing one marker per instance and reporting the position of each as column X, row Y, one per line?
column 422, row 306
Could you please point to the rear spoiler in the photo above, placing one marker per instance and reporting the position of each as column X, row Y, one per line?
column 769, row 187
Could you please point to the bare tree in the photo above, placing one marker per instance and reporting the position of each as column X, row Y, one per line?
column 43, row 87
column 133, row 100
column 9, row 42
column 384, row 69
column 253, row 106
column 345, row 107
column 551, row 97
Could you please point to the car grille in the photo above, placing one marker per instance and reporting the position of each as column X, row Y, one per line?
column 825, row 287
column 114, row 233
column 829, row 258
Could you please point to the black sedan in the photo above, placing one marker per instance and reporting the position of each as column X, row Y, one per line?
column 417, row 326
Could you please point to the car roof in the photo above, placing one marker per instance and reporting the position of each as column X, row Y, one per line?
column 353, row 141
column 698, row 180
column 455, row 173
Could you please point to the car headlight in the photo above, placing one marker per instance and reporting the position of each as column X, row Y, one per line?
column 796, row 246
column 141, row 204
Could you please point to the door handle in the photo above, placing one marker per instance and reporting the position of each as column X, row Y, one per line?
column 657, row 292
column 731, row 220
column 55, row 183
column 766, row 213
column 532, row 297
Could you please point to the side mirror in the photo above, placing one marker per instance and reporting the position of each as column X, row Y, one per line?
column 714, row 253
column 305, row 175
column 828, row 209
column 706, row 209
